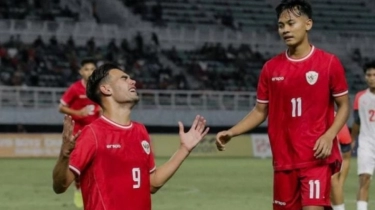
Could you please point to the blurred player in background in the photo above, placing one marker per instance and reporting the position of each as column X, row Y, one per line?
column 75, row 103
column 338, row 179
column 112, row 156
column 364, row 125
column 297, row 90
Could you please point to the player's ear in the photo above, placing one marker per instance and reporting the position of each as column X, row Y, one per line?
column 308, row 24
column 105, row 89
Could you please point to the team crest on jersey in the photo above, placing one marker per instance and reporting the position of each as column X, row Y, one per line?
column 312, row 77
column 146, row 146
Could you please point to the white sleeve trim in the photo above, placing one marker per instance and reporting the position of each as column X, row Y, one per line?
column 262, row 101
column 153, row 169
column 63, row 102
column 340, row 94
column 75, row 170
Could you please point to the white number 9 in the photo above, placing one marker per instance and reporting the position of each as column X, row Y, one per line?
column 136, row 177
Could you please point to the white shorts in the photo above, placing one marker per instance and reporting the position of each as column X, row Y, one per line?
column 365, row 160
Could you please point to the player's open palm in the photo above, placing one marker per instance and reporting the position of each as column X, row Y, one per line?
column 69, row 140
column 222, row 138
column 198, row 130
column 323, row 147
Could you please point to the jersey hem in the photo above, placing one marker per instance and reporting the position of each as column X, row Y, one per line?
column 303, row 165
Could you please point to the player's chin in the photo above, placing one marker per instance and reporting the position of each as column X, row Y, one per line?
column 290, row 43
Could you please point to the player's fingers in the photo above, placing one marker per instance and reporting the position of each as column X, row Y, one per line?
column 181, row 127
column 195, row 122
column 219, row 144
column 318, row 151
column 201, row 125
column 76, row 135
column 316, row 145
column 205, row 132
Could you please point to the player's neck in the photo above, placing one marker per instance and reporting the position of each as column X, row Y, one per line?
column 118, row 113
column 300, row 51
column 372, row 90
column 84, row 82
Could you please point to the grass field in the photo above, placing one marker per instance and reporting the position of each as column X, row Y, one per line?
column 201, row 183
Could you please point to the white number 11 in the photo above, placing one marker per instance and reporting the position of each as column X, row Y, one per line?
column 296, row 107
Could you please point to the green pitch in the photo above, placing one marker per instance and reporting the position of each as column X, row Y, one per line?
column 200, row 184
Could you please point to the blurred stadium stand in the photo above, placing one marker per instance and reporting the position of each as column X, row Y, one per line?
column 197, row 45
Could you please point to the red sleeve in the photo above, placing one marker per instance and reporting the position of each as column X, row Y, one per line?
column 262, row 90
column 68, row 96
column 337, row 80
column 84, row 151
column 151, row 157
column 344, row 135
column 152, row 165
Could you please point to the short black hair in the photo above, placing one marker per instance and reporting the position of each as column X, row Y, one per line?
column 100, row 74
column 87, row 61
column 298, row 7
column 369, row 65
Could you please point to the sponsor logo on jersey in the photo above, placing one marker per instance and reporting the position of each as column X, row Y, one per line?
column 146, row 146
column 113, row 146
column 312, row 77
column 277, row 78
column 82, row 96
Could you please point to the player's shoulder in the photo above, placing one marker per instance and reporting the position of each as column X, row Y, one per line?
column 324, row 54
column 276, row 60
column 360, row 93
column 138, row 125
column 76, row 84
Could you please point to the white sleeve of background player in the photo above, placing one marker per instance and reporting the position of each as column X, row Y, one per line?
column 337, row 79
column 262, row 90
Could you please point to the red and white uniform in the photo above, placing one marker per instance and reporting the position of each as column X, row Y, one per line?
column 114, row 163
column 300, row 97
column 364, row 103
column 75, row 98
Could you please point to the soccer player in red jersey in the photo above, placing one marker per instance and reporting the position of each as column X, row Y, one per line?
column 297, row 91
column 112, row 156
column 75, row 103
column 338, row 179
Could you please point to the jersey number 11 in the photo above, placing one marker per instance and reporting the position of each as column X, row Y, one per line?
column 296, row 107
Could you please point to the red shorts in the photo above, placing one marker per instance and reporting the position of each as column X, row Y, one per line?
column 295, row 189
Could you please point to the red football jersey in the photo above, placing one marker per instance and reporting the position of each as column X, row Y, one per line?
column 114, row 163
column 300, row 96
column 75, row 98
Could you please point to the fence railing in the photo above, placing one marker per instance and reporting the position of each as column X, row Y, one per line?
column 39, row 98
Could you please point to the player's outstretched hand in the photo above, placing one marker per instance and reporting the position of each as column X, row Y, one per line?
column 323, row 147
column 196, row 133
column 69, row 140
column 222, row 138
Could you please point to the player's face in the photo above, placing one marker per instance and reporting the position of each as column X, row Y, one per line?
column 86, row 71
column 370, row 77
column 293, row 28
column 122, row 87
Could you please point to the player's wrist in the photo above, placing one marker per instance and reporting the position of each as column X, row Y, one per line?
column 65, row 154
column 183, row 149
